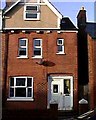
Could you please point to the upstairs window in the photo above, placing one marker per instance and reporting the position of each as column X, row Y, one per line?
column 60, row 46
column 21, row 88
column 31, row 12
column 37, row 48
column 23, row 50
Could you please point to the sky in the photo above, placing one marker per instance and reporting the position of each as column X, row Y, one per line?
column 70, row 8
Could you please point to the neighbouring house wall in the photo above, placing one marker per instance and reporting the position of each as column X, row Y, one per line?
column 94, row 73
column 16, row 18
column 65, row 64
column 4, row 38
column 92, row 69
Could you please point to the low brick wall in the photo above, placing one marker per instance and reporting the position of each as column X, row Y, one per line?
column 47, row 114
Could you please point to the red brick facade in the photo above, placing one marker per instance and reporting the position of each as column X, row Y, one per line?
column 78, row 61
column 87, row 58
column 65, row 64
column 92, row 69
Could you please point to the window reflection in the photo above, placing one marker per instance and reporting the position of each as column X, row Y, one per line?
column 55, row 88
column 67, row 86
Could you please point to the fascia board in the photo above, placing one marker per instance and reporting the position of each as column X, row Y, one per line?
column 12, row 6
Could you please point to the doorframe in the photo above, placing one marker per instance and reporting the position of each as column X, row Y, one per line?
column 50, row 79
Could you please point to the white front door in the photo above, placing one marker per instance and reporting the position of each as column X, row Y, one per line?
column 62, row 92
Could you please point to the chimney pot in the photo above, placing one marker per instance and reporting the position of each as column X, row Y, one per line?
column 82, row 8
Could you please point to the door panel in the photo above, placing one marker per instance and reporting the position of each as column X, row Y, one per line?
column 55, row 91
column 67, row 103
column 62, row 92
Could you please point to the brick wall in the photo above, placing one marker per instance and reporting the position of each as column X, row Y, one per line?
column 92, row 69
column 94, row 72
column 58, row 64
column 4, row 44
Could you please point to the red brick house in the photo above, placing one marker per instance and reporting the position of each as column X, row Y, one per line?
column 91, row 37
column 82, row 54
column 39, row 57
column 87, row 58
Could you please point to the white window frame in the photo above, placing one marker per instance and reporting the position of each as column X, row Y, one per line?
column 20, row 47
column 40, row 47
column 29, row 11
column 26, row 87
column 62, row 45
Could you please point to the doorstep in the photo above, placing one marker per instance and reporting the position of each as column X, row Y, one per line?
column 67, row 115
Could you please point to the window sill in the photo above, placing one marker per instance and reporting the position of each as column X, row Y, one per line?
column 19, row 99
column 31, row 19
column 23, row 57
column 37, row 57
column 61, row 53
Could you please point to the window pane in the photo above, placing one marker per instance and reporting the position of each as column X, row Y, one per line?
column 22, row 51
column 20, row 92
column 60, row 48
column 29, row 94
column 67, row 86
column 20, row 81
column 37, row 51
column 36, row 42
column 22, row 42
column 11, row 92
column 29, row 82
column 60, row 42
column 55, row 88
column 31, row 8
column 11, row 81
column 31, row 15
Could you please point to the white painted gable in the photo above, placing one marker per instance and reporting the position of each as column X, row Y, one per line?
column 37, row 1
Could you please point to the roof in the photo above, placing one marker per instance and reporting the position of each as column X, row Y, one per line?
column 10, row 5
column 66, row 24
column 91, row 29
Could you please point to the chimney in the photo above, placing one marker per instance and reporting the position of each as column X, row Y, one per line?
column 81, row 18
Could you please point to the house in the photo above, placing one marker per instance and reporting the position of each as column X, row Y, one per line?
column 87, row 60
column 39, row 57
column 0, row 66
column 91, row 38
column 82, row 55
